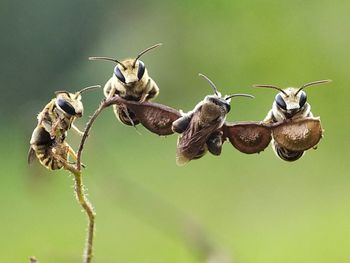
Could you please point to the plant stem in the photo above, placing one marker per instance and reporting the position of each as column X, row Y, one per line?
column 79, row 186
column 88, row 208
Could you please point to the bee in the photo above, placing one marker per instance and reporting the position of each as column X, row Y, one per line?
column 130, row 80
column 291, row 105
column 205, row 128
column 201, row 129
column 48, row 139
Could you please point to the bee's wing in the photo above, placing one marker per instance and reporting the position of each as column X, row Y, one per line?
column 248, row 137
column 298, row 135
column 181, row 157
column 31, row 155
column 191, row 143
column 155, row 117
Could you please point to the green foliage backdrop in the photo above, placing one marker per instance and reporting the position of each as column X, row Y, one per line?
column 256, row 207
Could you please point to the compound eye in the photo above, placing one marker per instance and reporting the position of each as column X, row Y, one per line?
column 302, row 99
column 280, row 102
column 141, row 70
column 119, row 74
column 66, row 106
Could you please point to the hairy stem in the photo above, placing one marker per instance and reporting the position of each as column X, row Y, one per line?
column 79, row 186
column 88, row 208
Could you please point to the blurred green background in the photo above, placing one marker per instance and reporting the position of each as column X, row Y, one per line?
column 255, row 208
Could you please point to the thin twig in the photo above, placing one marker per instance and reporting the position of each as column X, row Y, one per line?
column 88, row 208
column 79, row 186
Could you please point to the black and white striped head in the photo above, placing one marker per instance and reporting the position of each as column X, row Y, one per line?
column 129, row 71
column 70, row 103
column 291, row 100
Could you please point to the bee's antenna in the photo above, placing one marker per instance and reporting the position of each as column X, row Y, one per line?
column 270, row 87
column 145, row 51
column 88, row 88
column 109, row 59
column 217, row 93
column 312, row 83
column 61, row 91
column 239, row 95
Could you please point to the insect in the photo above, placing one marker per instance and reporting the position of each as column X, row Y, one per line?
column 290, row 105
column 130, row 80
column 201, row 129
column 48, row 139
column 204, row 128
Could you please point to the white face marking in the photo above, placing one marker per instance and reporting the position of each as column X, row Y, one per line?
column 288, row 105
column 130, row 74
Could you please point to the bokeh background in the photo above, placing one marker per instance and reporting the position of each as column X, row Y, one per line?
column 252, row 208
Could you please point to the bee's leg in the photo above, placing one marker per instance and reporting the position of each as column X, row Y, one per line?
column 214, row 143
column 181, row 124
column 75, row 128
column 59, row 156
column 109, row 90
column 153, row 91
column 60, row 161
column 311, row 115
column 125, row 116
column 145, row 92
column 46, row 116
column 71, row 152
column 143, row 98
column 269, row 117
column 54, row 128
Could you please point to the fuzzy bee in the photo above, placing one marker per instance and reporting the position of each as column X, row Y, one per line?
column 130, row 81
column 201, row 129
column 291, row 105
column 48, row 139
column 205, row 128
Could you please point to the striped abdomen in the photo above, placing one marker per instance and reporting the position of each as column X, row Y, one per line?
column 49, row 152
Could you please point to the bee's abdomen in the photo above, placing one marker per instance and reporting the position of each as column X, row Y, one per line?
column 42, row 144
column 46, row 157
column 285, row 154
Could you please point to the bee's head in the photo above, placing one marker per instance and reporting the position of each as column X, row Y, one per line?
column 132, row 73
column 129, row 71
column 70, row 103
column 218, row 100
column 291, row 100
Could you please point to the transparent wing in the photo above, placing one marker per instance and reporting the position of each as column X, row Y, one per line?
column 31, row 155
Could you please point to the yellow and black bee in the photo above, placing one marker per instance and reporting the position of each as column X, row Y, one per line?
column 130, row 80
column 48, row 139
